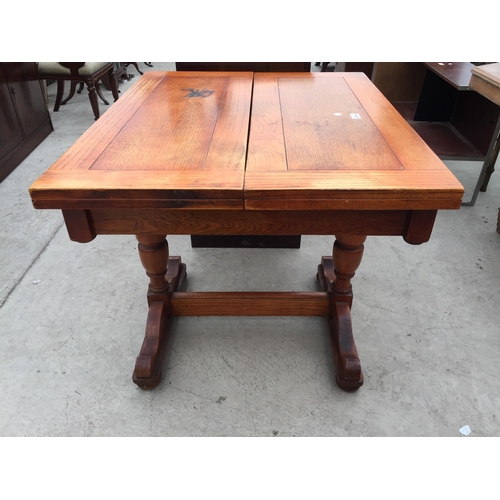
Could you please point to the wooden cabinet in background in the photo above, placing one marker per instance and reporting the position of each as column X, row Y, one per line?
column 24, row 119
column 435, row 98
column 244, row 66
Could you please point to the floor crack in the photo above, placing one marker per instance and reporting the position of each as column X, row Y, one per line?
column 29, row 267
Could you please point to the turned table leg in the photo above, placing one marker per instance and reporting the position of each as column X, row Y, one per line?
column 335, row 274
column 165, row 276
column 153, row 252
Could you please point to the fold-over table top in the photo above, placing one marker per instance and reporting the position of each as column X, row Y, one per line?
column 276, row 141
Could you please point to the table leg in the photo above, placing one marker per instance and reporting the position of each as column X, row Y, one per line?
column 491, row 165
column 335, row 274
column 166, row 275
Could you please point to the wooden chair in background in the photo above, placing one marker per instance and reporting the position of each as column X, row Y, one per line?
column 76, row 72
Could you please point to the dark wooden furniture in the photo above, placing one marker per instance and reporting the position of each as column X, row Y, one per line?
column 449, row 113
column 76, row 72
column 363, row 67
column 134, row 64
column 437, row 100
column 486, row 81
column 24, row 119
column 243, row 66
column 324, row 65
column 401, row 83
column 205, row 153
column 353, row 67
column 245, row 240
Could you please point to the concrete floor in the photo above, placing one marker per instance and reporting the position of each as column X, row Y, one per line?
column 72, row 319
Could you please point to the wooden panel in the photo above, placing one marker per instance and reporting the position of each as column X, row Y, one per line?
column 15, row 157
column 358, row 67
column 24, row 119
column 157, row 189
column 457, row 74
column 179, row 140
column 29, row 99
column 243, row 66
column 445, row 141
column 250, row 304
column 11, row 133
column 475, row 117
column 85, row 151
column 105, row 168
column 437, row 99
column 266, row 131
column 184, row 123
column 229, row 141
column 171, row 130
column 313, row 112
column 425, row 182
column 363, row 190
column 486, row 80
column 245, row 241
column 399, row 81
column 410, row 149
column 248, row 222
column 406, row 109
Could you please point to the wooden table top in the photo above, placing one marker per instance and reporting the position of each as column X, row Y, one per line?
column 457, row 74
column 486, row 80
column 234, row 141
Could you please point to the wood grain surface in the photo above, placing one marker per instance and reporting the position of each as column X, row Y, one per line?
column 310, row 161
column 486, row 80
column 184, row 129
column 457, row 74
column 250, row 304
column 211, row 141
column 321, row 124
column 165, row 221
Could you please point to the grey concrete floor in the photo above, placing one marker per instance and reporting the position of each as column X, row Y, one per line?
column 426, row 323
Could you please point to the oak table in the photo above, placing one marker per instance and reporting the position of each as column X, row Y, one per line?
column 249, row 153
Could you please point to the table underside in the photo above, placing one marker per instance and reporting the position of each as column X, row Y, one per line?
column 166, row 300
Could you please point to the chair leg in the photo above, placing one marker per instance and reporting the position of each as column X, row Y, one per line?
column 59, row 95
column 79, row 91
column 113, row 83
column 99, row 93
column 93, row 98
column 71, row 93
column 136, row 67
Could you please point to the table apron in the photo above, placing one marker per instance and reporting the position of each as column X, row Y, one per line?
column 414, row 225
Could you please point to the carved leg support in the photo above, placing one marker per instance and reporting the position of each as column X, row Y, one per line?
column 114, row 84
column 71, row 93
column 99, row 93
column 59, row 95
column 135, row 66
column 93, row 98
column 166, row 276
column 334, row 275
